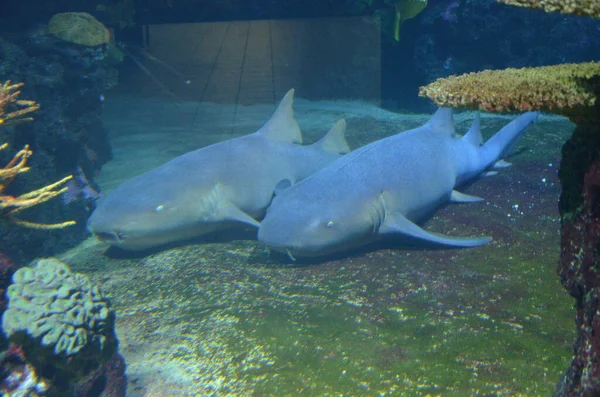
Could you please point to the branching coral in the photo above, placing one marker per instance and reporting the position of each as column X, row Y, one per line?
column 590, row 8
column 567, row 89
column 13, row 111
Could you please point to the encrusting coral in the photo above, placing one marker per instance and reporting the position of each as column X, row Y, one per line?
column 567, row 89
column 590, row 8
column 14, row 111
column 79, row 28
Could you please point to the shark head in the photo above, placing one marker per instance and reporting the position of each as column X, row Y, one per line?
column 300, row 227
column 139, row 215
column 134, row 222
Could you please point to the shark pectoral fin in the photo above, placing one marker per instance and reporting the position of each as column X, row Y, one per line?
column 282, row 185
column 489, row 173
column 458, row 197
column 501, row 164
column 232, row 213
column 397, row 224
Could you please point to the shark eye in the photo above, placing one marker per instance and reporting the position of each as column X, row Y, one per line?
column 159, row 208
column 330, row 224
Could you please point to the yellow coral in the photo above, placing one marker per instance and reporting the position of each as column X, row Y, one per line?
column 79, row 28
column 590, row 8
column 10, row 205
column 567, row 89
column 12, row 109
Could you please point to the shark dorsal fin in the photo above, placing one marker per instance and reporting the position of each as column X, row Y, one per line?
column 474, row 135
column 442, row 122
column 282, row 125
column 335, row 140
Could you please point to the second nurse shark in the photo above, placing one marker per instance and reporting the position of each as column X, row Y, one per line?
column 385, row 188
column 217, row 186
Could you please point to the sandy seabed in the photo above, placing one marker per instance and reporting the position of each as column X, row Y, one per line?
column 223, row 317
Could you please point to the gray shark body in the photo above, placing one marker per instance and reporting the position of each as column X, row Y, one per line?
column 217, row 186
column 386, row 188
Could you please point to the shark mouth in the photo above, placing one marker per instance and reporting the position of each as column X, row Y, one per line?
column 110, row 238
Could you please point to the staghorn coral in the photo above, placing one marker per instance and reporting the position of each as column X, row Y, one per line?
column 590, row 8
column 567, row 89
column 12, row 111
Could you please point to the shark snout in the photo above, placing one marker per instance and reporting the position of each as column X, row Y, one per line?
column 105, row 231
column 112, row 238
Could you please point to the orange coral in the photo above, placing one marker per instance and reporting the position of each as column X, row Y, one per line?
column 12, row 111
column 590, row 8
column 567, row 89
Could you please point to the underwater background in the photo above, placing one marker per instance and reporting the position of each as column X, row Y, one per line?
column 130, row 85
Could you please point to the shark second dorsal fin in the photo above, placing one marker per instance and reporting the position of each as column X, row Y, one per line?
column 282, row 125
column 442, row 122
column 335, row 140
column 474, row 135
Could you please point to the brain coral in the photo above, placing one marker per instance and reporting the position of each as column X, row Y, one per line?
column 59, row 309
column 79, row 28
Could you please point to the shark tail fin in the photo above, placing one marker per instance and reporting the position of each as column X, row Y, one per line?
column 473, row 136
column 282, row 125
column 442, row 122
column 504, row 140
column 335, row 140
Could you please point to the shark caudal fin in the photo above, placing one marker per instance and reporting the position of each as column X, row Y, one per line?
column 504, row 140
column 282, row 125
column 335, row 140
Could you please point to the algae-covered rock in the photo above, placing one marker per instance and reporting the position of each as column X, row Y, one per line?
column 62, row 322
column 79, row 28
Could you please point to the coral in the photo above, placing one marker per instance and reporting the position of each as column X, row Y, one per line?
column 79, row 28
column 63, row 323
column 567, row 89
column 59, row 309
column 589, row 8
column 13, row 109
column 12, row 205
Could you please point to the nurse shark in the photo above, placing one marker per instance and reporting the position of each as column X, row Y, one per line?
column 385, row 188
column 218, row 186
